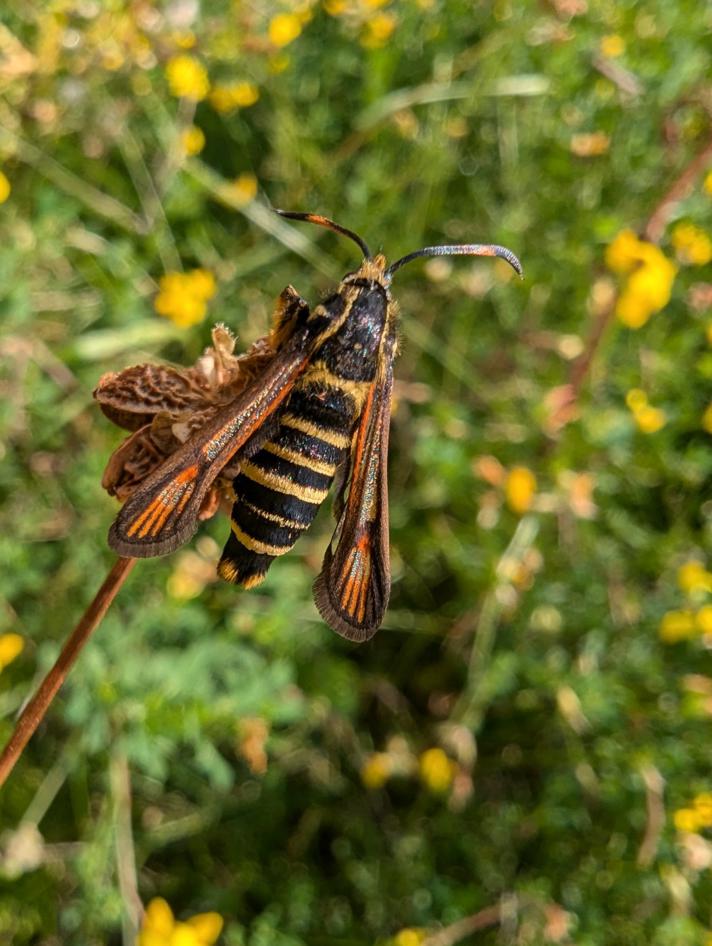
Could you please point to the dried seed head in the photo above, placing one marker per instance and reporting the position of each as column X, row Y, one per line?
column 162, row 405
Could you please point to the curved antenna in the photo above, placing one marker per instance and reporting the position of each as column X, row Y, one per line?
column 463, row 249
column 325, row 222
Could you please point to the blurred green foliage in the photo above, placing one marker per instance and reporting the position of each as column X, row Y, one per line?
column 276, row 772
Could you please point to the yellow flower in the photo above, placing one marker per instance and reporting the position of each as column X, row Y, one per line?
column 284, row 28
column 649, row 420
column 376, row 770
column 519, row 489
column 409, row 937
column 4, row 188
column 378, row 30
column 623, row 253
column 707, row 419
column 242, row 190
column 692, row 577
column 436, row 770
column 686, row 820
column 677, row 626
column 187, row 78
column 702, row 805
column 11, row 646
column 612, row 46
column 183, row 296
column 648, row 288
column 192, row 140
column 225, row 98
column 650, row 282
column 632, row 310
column 160, row 928
column 692, row 245
column 707, row 185
column 704, row 619
column 653, row 281
column 636, row 399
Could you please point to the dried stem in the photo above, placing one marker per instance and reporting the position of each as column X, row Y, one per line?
column 449, row 935
column 679, row 189
column 35, row 711
column 125, row 854
column 654, row 788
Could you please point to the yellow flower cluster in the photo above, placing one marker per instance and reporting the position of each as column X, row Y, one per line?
column 677, row 626
column 692, row 245
column 232, row 95
column 183, row 297
column 187, row 78
column 694, row 579
column 707, row 185
column 520, row 489
column 4, row 188
column 11, row 646
column 650, row 277
column 160, row 927
column 192, row 140
column 697, row 816
column 436, row 770
column 647, row 418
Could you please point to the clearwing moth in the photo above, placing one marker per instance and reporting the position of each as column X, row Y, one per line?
column 317, row 407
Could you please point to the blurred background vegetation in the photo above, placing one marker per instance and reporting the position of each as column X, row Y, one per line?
column 522, row 754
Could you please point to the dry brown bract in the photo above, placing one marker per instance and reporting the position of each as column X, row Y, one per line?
column 163, row 405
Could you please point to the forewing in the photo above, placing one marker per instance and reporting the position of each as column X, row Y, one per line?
column 352, row 590
column 163, row 512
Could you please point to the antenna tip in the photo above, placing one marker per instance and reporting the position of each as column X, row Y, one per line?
column 511, row 258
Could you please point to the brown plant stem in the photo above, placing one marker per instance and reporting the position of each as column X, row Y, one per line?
column 33, row 714
column 457, row 931
column 678, row 190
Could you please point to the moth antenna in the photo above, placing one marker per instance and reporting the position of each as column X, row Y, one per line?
column 325, row 222
column 464, row 249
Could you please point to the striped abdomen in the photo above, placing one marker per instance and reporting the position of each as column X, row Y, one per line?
column 279, row 490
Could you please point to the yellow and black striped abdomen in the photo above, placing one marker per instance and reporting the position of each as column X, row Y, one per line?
column 279, row 489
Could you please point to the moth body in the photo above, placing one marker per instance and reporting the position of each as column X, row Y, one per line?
column 280, row 488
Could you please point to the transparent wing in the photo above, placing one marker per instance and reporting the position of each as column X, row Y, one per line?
column 353, row 587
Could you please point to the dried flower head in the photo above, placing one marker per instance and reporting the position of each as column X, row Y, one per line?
column 162, row 405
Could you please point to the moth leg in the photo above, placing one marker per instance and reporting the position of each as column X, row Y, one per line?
column 290, row 312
